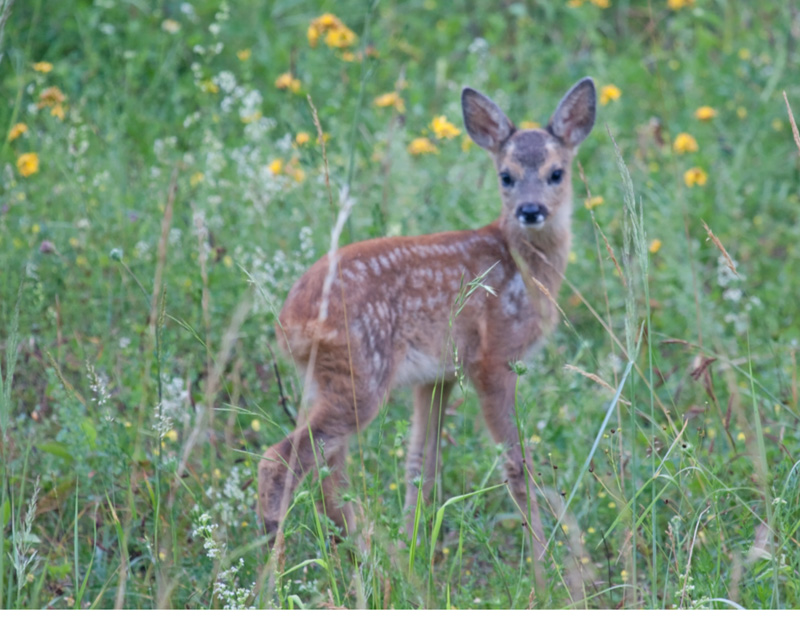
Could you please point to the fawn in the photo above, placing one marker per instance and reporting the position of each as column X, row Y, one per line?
column 383, row 316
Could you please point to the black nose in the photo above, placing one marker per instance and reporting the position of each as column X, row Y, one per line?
column 531, row 214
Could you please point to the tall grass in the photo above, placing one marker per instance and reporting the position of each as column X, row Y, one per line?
column 183, row 192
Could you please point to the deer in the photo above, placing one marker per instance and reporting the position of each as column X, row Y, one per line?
column 379, row 314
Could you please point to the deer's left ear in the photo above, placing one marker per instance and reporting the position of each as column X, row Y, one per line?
column 574, row 118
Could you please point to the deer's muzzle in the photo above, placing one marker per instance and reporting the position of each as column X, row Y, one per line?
column 532, row 215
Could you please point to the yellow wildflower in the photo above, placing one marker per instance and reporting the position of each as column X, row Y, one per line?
column 276, row 166
column 43, row 66
column 676, row 5
column 287, row 81
column 298, row 175
column 391, row 99
column 208, row 86
column 197, row 178
column 58, row 111
column 422, row 145
column 608, row 93
column 28, row 164
column 593, row 202
column 337, row 35
column 695, row 175
column 684, row 142
column 171, row 435
column 529, row 125
column 244, row 55
column 17, row 130
column 655, row 245
column 170, row 26
column 705, row 113
column 574, row 4
column 340, row 38
column 741, row 437
column 255, row 424
column 51, row 97
column 302, row 138
column 603, row 4
column 328, row 21
column 227, row 261
column 313, row 35
column 466, row 144
column 251, row 118
column 741, row 112
column 348, row 57
column 443, row 129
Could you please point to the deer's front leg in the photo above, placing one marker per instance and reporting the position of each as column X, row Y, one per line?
column 495, row 385
column 422, row 463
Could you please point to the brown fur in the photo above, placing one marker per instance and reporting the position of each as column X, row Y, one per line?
column 399, row 297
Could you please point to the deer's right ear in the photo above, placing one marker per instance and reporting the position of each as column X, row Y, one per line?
column 485, row 122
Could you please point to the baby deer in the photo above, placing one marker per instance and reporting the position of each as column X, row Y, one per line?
column 391, row 312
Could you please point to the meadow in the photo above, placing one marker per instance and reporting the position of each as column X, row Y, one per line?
column 169, row 169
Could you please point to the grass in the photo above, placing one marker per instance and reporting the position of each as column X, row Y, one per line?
column 176, row 202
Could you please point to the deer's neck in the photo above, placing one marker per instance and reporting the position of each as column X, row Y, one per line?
column 542, row 253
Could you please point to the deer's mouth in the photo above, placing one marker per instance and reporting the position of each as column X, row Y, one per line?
column 532, row 215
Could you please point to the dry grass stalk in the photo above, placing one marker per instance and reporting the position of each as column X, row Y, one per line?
column 321, row 139
column 163, row 243
column 720, row 246
column 795, row 133
column 598, row 380
column 610, row 253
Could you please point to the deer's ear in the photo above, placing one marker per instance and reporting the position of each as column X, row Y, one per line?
column 574, row 118
column 485, row 122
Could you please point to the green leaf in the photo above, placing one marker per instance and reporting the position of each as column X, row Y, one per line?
column 88, row 428
column 55, row 448
column 59, row 571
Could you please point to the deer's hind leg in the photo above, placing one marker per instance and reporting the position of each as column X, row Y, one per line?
column 338, row 510
column 344, row 402
column 422, row 465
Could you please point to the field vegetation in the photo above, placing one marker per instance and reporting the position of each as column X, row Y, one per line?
column 167, row 171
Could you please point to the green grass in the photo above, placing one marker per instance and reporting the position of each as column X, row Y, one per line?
column 143, row 264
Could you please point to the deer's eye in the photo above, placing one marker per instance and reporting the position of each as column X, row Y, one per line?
column 506, row 180
column 556, row 176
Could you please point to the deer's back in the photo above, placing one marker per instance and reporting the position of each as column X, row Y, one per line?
column 405, row 307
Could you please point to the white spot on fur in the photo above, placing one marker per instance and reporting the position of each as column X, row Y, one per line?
column 513, row 296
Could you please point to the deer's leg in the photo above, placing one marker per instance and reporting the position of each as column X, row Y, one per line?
column 335, row 508
column 422, row 464
column 330, row 423
column 495, row 384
